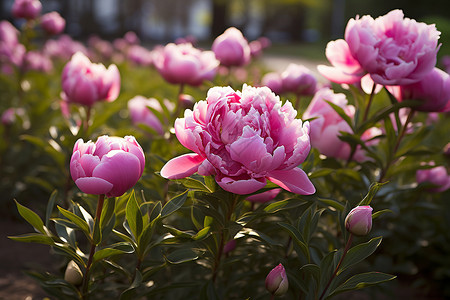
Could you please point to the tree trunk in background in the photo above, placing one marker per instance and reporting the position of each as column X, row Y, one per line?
column 219, row 17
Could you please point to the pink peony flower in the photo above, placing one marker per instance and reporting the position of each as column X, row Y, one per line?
column 265, row 196
column 28, row 9
column 393, row 49
column 53, row 23
column 273, row 81
column 437, row 176
column 298, row 79
column 359, row 220
column 11, row 51
column 86, row 83
column 64, row 47
column 184, row 64
column 345, row 69
column 328, row 124
column 8, row 116
column 141, row 114
column 277, row 282
column 36, row 61
column 433, row 90
column 110, row 166
column 243, row 138
column 140, row 55
column 231, row 48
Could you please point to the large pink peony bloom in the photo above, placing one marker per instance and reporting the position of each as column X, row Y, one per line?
column 28, row 9
column 231, row 48
column 184, row 64
column 110, row 166
column 243, row 138
column 393, row 49
column 53, row 23
column 86, row 83
column 327, row 125
column 433, row 90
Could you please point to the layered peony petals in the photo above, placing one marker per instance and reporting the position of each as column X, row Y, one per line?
column 294, row 180
column 94, row 185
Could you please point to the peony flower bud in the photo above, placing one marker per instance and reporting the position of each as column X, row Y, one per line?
column 436, row 175
column 28, row 9
column 231, row 48
column 53, row 23
column 359, row 220
column 110, row 166
column 73, row 273
column 140, row 112
column 8, row 116
column 277, row 281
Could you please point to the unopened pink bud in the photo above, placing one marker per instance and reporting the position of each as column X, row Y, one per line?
column 28, row 9
column 53, row 23
column 359, row 220
column 277, row 281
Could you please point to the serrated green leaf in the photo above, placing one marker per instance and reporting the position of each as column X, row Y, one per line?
column 362, row 280
column 359, row 253
column 181, row 255
column 31, row 217
column 134, row 217
column 174, row 204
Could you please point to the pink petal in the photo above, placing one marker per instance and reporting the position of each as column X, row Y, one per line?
column 241, row 187
column 336, row 75
column 182, row 166
column 93, row 185
column 294, row 180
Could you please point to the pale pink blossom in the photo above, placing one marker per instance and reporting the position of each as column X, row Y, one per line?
column 359, row 220
column 231, row 48
column 436, row 175
column 53, row 23
column 28, row 9
column 273, row 81
column 299, row 80
column 140, row 112
column 277, row 282
column 244, row 139
column 110, row 166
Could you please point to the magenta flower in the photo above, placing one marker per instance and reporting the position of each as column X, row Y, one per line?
column 299, row 80
column 53, row 23
column 231, row 48
column 184, row 64
column 273, row 81
column 393, row 49
column 28, row 9
column 86, row 83
column 110, row 166
column 359, row 220
column 345, row 68
column 437, row 175
column 36, row 61
column 433, row 90
column 8, row 116
column 64, row 47
column 277, row 282
column 140, row 55
column 141, row 114
column 328, row 124
column 223, row 129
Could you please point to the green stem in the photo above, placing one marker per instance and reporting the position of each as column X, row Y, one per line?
column 366, row 111
column 98, row 213
column 347, row 247
column 88, row 117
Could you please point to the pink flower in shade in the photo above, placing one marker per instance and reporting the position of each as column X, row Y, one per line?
column 345, row 68
column 298, row 79
column 36, row 61
column 328, row 124
column 393, row 49
column 229, row 246
column 277, row 282
column 359, row 220
column 86, row 83
column 265, row 196
column 436, row 175
column 140, row 55
column 28, row 9
column 433, row 90
column 244, row 139
column 273, row 81
column 11, row 51
column 110, row 166
column 255, row 48
column 184, row 64
column 8, row 116
column 231, row 48
column 63, row 48
column 141, row 114
column 53, row 23
column 131, row 38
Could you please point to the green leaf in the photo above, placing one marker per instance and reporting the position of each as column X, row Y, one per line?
column 31, row 217
column 33, row 238
column 381, row 212
column 115, row 249
column 50, row 206
column 374, row 187
column 283, row 205
column 201, row 234
column 180, row 256
column 341, row 113
column 174, row 204
column 296, row 237
column 130, row 293
column 194, row 184
column 107, row 212
column 79, row 222
column 362, row 280
column 156, row 211
column 134, row 217
column 359, row 253
column 333, row 203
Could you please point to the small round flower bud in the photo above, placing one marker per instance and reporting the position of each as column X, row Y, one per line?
column 359, row 220
column 277, row 281
column 73, row 273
